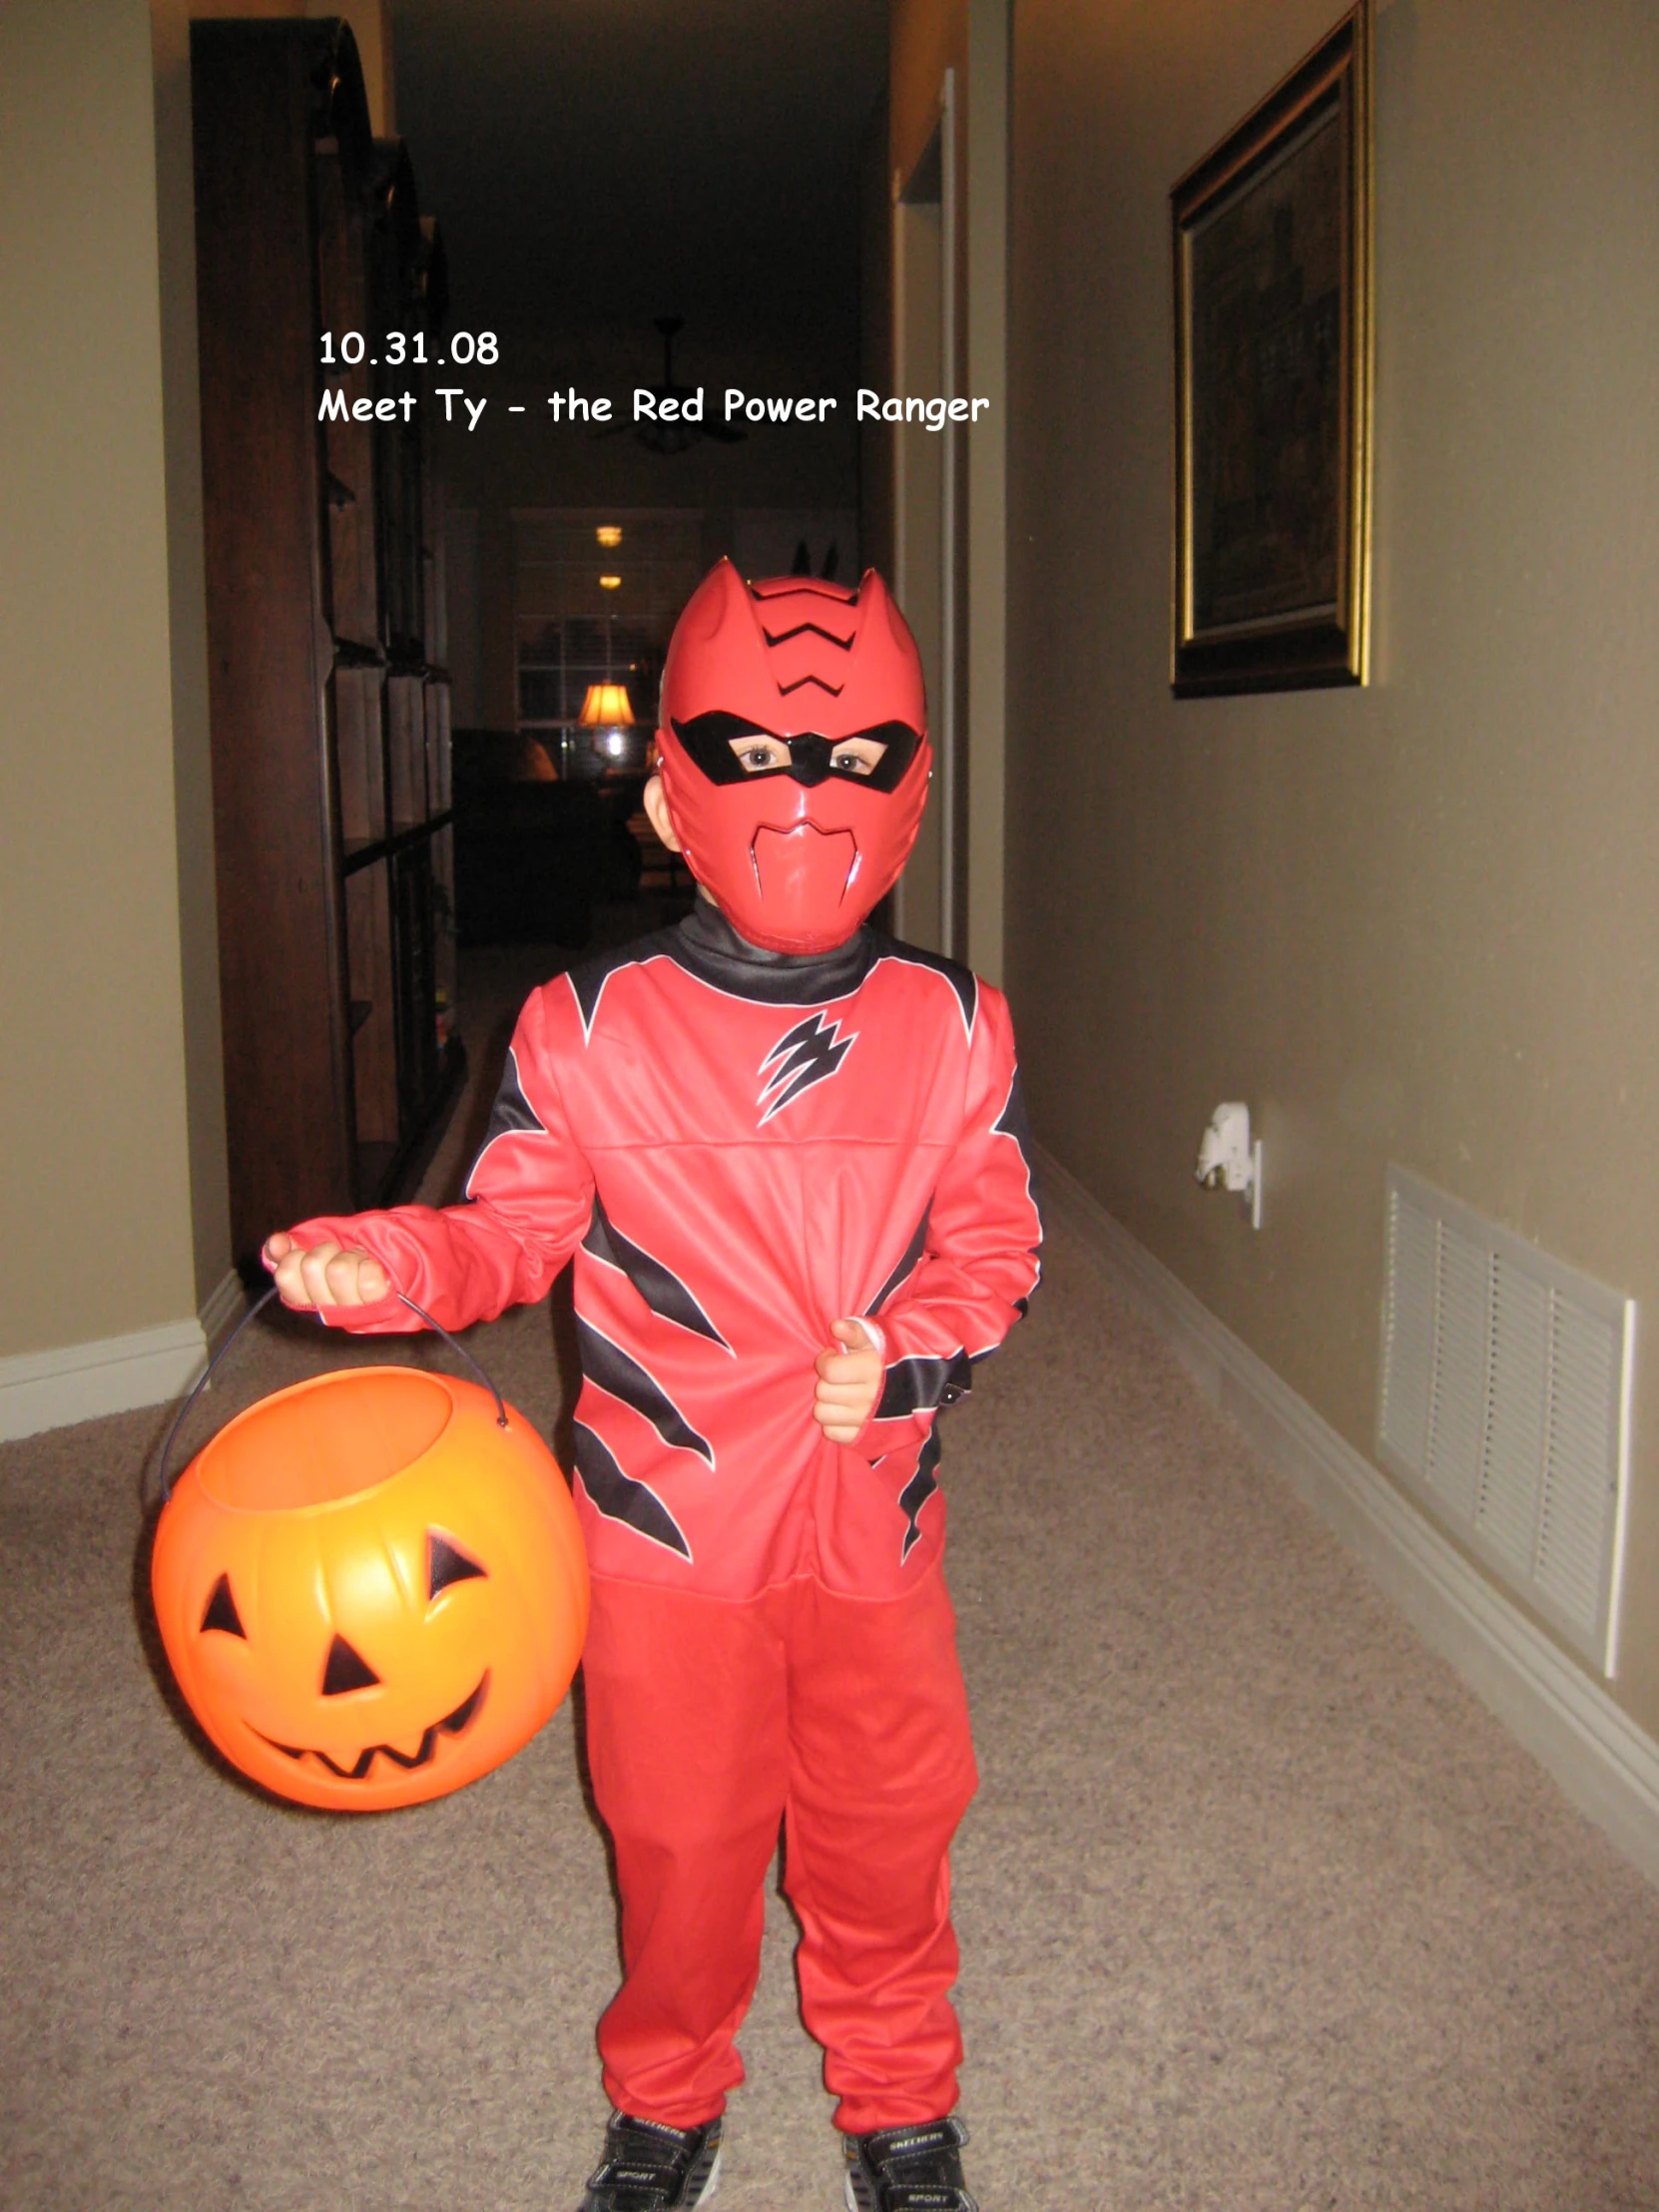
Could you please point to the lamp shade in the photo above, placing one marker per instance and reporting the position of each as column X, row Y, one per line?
column 606, row 707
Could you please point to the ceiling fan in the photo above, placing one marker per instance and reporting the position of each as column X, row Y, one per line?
column 673, row 437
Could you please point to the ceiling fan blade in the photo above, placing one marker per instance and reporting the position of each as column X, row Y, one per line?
column 671, row 437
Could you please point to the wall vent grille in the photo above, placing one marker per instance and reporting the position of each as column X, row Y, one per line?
column 1504, row 1403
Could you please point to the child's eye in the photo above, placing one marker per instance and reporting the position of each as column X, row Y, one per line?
column 756, row 753
column 853, row 764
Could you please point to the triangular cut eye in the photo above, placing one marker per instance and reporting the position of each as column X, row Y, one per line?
column 446, row 1564
column 221, row 1611
column 346, row 1670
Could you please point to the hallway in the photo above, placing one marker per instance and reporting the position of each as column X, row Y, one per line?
column 1259, row 1908
column 1262, row 1910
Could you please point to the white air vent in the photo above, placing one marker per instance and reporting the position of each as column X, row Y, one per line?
column 1505, row 1403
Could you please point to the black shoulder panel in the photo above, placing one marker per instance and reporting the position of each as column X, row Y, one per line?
column 962, row 980
column 1012, row 1121
column 511, row 1115
column 512, row 1110
column 589, row 977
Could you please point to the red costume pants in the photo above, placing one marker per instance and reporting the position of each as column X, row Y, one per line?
column 709, row 1722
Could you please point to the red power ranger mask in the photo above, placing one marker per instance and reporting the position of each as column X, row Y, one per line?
column 795, row 857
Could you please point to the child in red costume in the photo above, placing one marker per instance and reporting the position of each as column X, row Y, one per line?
column 766, row 1129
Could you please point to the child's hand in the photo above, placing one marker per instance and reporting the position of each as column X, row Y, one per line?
column 326, row 1275
column 849, row 1382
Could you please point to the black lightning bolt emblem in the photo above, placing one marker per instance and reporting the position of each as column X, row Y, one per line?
column 813, row 1049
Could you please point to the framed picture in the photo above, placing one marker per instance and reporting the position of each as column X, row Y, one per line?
column 1273, row 346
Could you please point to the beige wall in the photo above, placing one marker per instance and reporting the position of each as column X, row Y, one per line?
column 94, row 1143
column 112, row 1113
column 187, row 595
column 1418, row 922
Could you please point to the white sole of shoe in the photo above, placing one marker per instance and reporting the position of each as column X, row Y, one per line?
column 712, row 2182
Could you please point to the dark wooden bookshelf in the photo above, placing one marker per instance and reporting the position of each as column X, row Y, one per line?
column 328, row 690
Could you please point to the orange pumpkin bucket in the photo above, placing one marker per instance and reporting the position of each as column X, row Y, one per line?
column 371, row 1587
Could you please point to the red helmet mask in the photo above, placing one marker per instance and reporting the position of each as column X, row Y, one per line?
column 795, row 857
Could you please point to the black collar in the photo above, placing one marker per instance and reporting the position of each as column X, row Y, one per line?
column 707, row 944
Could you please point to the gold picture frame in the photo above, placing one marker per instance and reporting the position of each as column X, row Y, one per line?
column 1273, row 379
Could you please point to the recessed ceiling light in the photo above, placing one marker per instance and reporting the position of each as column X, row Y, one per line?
column 610, row 583
column 609, row 534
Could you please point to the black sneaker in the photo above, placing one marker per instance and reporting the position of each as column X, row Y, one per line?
column 648, row 2167
column 907, row 2170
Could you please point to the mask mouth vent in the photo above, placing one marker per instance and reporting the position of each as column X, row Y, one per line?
column 804, row 870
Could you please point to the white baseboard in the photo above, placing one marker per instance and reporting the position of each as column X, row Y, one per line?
column 113, row 1374
column 226, row 1304
column 1606, row 1764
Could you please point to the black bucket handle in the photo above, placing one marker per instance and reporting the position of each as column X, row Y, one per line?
column 257, row 1307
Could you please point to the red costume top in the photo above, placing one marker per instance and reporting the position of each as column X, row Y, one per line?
column 741, row 1147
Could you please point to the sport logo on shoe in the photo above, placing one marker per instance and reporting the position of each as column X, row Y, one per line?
column 810, row 1051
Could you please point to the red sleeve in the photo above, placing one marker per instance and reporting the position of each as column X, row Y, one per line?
column 980, row 1262
column 529, row 1200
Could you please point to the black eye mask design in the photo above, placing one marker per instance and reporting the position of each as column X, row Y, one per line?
column 708, row 740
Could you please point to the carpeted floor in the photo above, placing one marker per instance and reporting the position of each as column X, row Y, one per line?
column 1259, row 1908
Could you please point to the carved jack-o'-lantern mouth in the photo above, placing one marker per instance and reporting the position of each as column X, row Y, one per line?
column 452, row 1724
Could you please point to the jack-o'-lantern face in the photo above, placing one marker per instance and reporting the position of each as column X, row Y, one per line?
column 371, row 1593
